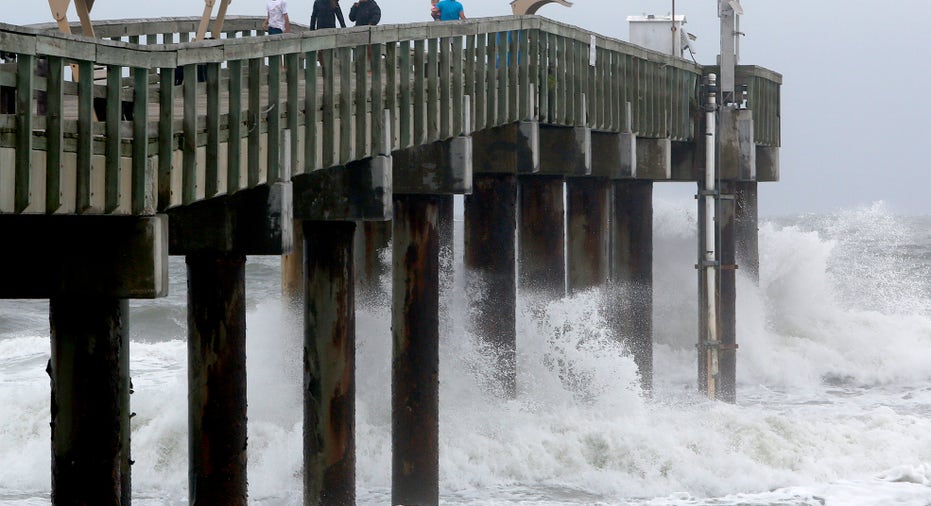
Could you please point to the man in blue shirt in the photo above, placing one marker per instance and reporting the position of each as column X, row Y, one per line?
column 450, row 10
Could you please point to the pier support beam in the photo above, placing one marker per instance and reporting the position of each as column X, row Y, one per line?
column 329, row 363
column 748, row 238
column 725, row 299
column 371, row 238
column 292, row 269
column 415, row 364
column 89, row 371
column 541, row 228
column 727, row 292
column 217, row 378
column 490, row 249
column 587, row 232
column 630, row 311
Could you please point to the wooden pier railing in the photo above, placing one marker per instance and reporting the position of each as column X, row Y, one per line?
column 169, row 109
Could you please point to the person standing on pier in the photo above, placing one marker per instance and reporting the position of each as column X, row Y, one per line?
column 450, row 10
column 325, row 15
column 365, row 12
column 276, row 21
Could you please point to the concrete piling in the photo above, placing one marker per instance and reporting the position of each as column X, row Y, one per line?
column 217, row 379
column 727, row 292
column 490, row 249
column 630, row 296
column 415, row 362
column 748, row 239
column 587, row 234
column 89, row 370
column 371, row 238
column 541, row 236
column 329, row 363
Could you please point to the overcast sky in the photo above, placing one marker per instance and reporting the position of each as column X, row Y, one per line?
column 856, row 104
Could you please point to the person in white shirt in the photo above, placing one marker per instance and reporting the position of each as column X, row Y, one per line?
column 277, row 19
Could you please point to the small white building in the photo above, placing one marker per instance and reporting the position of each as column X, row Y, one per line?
column 656, row 33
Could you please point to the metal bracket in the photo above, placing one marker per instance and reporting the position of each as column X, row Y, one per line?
column 718, row 345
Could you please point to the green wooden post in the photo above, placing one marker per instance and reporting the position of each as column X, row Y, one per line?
column 212, row 159
column 54, row 134
column 85, row 135
column 189, row 127
column 234, row 140
column 165, row 135
column 140, row 163
column 253, row 168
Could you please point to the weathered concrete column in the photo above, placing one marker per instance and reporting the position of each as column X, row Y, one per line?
column 587, row 233
column 217, row 378
column 727, row 293
column 490, row 249
column 748, row 237
column 415, row 364
column 541, row 228
column 630, row 310
column 370, row 238
column 445, row 227
column 292, row 269
column 89, row 371
column 329, row 364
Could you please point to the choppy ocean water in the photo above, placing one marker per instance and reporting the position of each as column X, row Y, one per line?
column 834, row 386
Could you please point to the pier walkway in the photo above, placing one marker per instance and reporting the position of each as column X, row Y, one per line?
column 322, row 146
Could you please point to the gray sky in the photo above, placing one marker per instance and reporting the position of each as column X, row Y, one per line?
column 856, row 108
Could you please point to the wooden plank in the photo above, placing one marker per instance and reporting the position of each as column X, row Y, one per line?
column 456, row 92
column 212, row 158
column 141, row 199
column 234, row 123
column 481, row 85
column 253, row 153
column 433, row 88
column 503, row 67
column 273, row 119
column 53, row 133
column 165, row 136
column 328, row 114
column 84, row 198
column 360, row 116
column 524, row 57
column 345, row 105
column 112, row 166
column 378, row 101
column 310, row 111
column 391, row 93
column 292, row 65
column 514, row 71
column 24, row 122
column 491, row 81
column 445, row 128
column 406, row 137
column 420, row 109
column 469, row 75
column 540, row 47
column 189, row 167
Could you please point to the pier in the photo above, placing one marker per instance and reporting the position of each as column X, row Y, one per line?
column 321, row 147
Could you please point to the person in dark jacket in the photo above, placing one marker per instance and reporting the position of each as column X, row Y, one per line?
column 365, row 12
column 325, row 15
